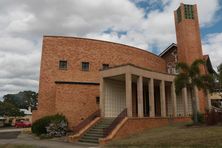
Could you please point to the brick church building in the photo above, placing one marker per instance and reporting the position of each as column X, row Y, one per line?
column 79, row 77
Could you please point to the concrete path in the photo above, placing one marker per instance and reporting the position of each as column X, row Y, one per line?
column 16, row 137
column 3, row 130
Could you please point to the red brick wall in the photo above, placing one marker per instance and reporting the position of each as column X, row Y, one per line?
column 76, row 102
column 136, row 125
column 75, row 51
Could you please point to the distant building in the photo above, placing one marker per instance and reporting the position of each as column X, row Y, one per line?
column 28, row 114
column 2, row 121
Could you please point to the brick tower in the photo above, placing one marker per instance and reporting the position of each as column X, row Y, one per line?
column 189, row 42
column 188, row 33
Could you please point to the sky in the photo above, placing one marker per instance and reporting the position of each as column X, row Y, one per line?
column 147, row 24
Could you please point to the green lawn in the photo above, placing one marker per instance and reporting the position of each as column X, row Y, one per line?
column 174, row 136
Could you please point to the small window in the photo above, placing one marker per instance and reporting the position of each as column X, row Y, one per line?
column 97, row 100
column 105, row 66
column 63, row 64
column 85, row 66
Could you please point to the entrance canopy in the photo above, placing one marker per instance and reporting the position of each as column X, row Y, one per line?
column 141, row 91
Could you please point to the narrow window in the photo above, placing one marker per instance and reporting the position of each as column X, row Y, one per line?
column 97, row 100
column 105, row 66
column 63, row 64
column 85, row 66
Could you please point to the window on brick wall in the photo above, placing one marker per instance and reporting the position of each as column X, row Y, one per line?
column 85, row 66
column 105, row 66
column 63, row 64
column 97, row 100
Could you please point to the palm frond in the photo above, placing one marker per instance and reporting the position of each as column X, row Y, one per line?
column 198, row 81
column 198, row 62
column 181, row 81
column 182, row 67
column 204, row 82
column 195, row 68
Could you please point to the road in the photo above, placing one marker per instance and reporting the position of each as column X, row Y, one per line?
column 15, row 136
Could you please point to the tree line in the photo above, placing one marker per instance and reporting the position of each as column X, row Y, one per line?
column 13, row 102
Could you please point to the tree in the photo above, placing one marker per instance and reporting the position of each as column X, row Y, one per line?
column 8, row 109
column 189, row 76
column 22, row 99
column 219, row 69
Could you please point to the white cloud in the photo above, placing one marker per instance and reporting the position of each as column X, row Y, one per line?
column 16, row 45
column 212, row 45
column 23, row 23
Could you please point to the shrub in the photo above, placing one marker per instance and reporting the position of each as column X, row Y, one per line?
column 200, row 117
column 57, row 129
column 39, row 126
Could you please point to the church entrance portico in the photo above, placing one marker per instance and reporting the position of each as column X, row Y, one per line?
column 142, row 92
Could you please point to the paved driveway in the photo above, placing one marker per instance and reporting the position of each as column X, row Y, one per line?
column 15, row 136
column 9, row 133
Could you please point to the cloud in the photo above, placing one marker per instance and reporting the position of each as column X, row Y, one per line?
column 212, row 45
column 23, row 23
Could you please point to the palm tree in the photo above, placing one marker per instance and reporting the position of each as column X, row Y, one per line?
column 190, row 76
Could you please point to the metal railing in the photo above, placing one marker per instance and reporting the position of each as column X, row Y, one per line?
column 115, row 122
column 86, row 121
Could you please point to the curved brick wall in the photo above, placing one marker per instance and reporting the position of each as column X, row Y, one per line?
column 75, row 51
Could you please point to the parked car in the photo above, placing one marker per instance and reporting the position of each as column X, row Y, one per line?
column 23, row 124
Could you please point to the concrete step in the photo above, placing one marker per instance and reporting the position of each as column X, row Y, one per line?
column 88, row 141
column 92, row 136
column 96, row 132
column 105, row 125
column 89, row 137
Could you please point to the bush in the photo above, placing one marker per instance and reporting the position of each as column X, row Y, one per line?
column 57, row 129
column 39, row 126
column 200, row 117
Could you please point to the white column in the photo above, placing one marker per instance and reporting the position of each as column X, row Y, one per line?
column 174, row 101
column 102, row 97
column 185, row 100
column 128, row 81
column 140, row 96
column 162, row 99
column 151, row 98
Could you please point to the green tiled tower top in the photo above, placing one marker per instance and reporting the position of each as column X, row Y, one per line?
column 188, row 12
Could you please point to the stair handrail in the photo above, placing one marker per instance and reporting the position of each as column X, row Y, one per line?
column 86, row 121
column 114, row 123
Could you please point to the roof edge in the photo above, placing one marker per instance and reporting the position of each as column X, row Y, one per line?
column 168, row 48
column 97, row 40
